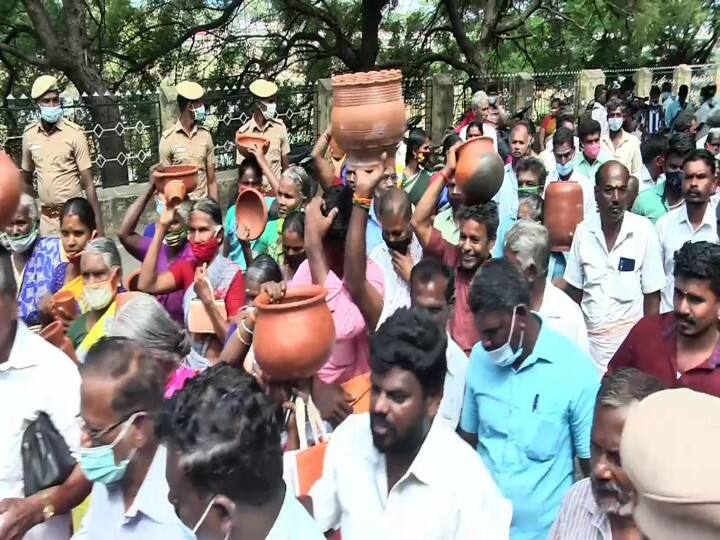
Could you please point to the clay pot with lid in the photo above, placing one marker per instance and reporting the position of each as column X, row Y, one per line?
column 294, row 337
column 480, row 171
column 562, row 211
column 176, row 181
column 251, row 213
column 368, row 115
column 10, row 189
column 246, row 141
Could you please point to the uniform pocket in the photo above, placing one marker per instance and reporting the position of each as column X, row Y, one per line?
column 544, row 432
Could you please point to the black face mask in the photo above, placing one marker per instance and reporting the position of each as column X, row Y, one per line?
column 401, row 246
column 673, row 180
column 295, row 260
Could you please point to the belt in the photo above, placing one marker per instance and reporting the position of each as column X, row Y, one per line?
column 52, row 211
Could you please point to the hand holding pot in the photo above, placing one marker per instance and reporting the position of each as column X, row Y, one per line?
column 451, row 164
column 367, row 178
column 202, row 285
column 276, row 291
column 316, row 224
column 167, row 217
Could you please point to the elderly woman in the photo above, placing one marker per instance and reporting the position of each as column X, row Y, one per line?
column 101, row 271
column 33, row 259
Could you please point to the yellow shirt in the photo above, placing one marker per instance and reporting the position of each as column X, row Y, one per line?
column 627, row 152
column 57, row 158
column 177, row 147
column 275, row 131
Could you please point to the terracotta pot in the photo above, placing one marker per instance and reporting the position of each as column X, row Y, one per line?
column 251, row 212
column 10, row 189
column 479, row 172
column 244, row 142
column 54, row 334
column 131, row 283
column 165, row 176
column 368, row 114
column 65, row 301
column 562, row 211
column 294, row 337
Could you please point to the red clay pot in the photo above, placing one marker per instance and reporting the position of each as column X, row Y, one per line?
column 131, row 283
column 176, row 181
column 479, row 172
column 368, row 115
column 251, row 212
column 562, row 211
column 54, row 334
column 10, row 189
column 294, row 337
column 244, row 142
column 65, row 301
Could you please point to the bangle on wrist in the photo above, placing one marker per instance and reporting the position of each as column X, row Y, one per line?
column 244, row 326
column 240, row 337
column 362, row 202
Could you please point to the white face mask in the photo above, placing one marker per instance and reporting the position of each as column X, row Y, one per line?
column 20, row 244
column 615, row 124
column 270, row 110
column 99, row 295
column 504, row 355
column 197, row 526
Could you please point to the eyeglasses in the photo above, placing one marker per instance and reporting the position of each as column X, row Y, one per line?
column 97, row 434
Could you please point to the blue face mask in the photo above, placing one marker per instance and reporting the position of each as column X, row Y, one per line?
column 51, row 114
column 98, row 463
column 159, row 207
column 564, row 169
column 200, row 114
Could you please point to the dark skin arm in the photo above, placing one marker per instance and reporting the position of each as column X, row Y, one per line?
column 574, row 292
column 316, row 227
column 651, row 303
column 326, row 175
column 284, row 161
column 130, row 239
column 265, row 168
column 28, row 184
column 87, row 184
column 212, row 184
column 149, row 281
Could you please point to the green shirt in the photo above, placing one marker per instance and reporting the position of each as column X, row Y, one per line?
column 586, row 169
column 445, row 223
column 269, row 243
column 78, row 331
column 651, row 204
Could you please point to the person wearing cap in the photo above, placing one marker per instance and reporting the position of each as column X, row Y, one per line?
column 264, row 122
column 56, row 151
column 667, row 452
column 189, row 142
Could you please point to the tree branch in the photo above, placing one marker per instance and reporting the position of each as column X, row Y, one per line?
column 458, row 29
column 41, row 62
column 519, row 20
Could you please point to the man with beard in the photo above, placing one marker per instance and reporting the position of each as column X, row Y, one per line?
column 680, row 347
column 614, row 268
column 599, row 507
column 396, row 473
column 693, row 221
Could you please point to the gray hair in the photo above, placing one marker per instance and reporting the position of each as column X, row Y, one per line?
column 713, row 135
column 300, row 178
column 530, row 242
column 534, row 202
column 478, row 98
column 27, row 201
column 107, row 248
column 626, row 386
column 182, row 211
column 143, row 319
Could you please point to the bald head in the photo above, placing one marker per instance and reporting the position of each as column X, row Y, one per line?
column 611, row 170
column 612, row 192
column 395, row 202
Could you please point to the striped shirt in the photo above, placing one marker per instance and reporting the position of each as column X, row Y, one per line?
column 580, row 517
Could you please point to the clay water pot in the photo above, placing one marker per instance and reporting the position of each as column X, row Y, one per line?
column 294, row 337
column 131, row 283
column 562, row 211
column 245, row 142
column 368, row 115
column 10, row 189
column 65, row 301
column 251, row 212
column 479, row 172
column 176, row 181
column 54, row 334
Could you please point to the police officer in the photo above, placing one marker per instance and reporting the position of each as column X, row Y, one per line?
column 264, row 122
column 189, row 142
column 56, row 150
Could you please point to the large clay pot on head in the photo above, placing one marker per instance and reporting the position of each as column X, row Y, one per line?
column 251, row 212
column 246, row 141
column 368, row 115
column 10, row 189
column 294, row 337
column 176, row 181
column 562, row 211
column 479, row 172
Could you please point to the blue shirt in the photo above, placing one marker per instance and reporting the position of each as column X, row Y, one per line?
column 531, row 423
column 507, row 196
column 373, row 231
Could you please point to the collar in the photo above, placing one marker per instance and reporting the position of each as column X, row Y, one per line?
column 594, row 225
column 21, row 354
column 598, row 518
column 549, row 304
column 624, row 137
column 452, row 366
column 708, row 217
column 254, row 127
column 59, row 125
column 151, row 498
column 545, row 347
column 180, row 129
column 597, row 105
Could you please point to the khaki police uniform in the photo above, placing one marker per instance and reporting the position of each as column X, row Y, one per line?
column 275, row 131
column 56, row 157
column 177, row 147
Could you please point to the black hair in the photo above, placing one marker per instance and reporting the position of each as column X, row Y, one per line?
column 615, row 103
column 429, row 269
column 250, row 163
column 684, row 89
column 183, row 102
column 339, row 197
column 498, row 286
column 484, row 214
column 210, row 207
column 8, row 285
column 653, row 147
column 680, row 144
column 224, row 429
column 522, row 123
column 411, row 340
column 416, row 138
column 395, row 201
column 295, row 222
column 556, row 100
column 587, row 126
column 264, row 269
column 701, row 155
column 600, row 90
column 452, row 139
column 562, row 136
column 533, row 165
column 80, row 207
column 141, row 376
column 699, row 260
column 565, row 117
column 655, row 90
column 667, row 86
column 609, row 163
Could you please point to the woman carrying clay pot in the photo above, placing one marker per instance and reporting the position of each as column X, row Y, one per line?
column 175, row 246
column 415, row 178
column 211, row 282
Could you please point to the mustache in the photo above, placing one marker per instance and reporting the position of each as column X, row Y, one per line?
column 380, row 421
column 623, row 498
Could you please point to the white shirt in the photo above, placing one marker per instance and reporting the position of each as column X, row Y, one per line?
column 454, row 387
column 673, row 230
column 564, row 316
column 36, row 378
column 599, row 113
column 447, row 493
column 293, row 522
column 588, row 189
column 646, row 181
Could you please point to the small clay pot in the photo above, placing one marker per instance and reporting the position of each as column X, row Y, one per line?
column 245, row 142
column 294, row 337
column 479, row 171
column 10, row 189
column 131, row 283
column 65, row 301
column 54, row 334
column 562, row 211
column 251, row 212
column 187, row 174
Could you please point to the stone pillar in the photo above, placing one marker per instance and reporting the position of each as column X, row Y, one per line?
column 643, row 81
column 324, row 100
column 681, row 75
column 441, row 113
column 169, row 112
column 589, row 79
column 525, row 84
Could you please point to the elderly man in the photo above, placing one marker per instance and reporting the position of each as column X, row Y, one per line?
column 189, row 142
column 527, row 245
column 57, row 152
column 614, row 268
column 618, row 143
column 521, row 140
column 480, row 108
column 712, row 142
column 599, row 507
column 264, row 122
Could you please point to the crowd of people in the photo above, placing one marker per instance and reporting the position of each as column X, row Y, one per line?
column 515, row 391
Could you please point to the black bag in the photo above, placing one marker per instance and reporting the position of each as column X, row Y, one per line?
column 46, row 458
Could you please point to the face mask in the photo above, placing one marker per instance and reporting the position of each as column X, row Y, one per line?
column 295, row 260
column 21, row 244
column 673, row 180
column 98, row 463
column 51, row 114
column 529, row 190
column 200, row 114
column 401, row 246
column 159, row 207
column 565, row 169
column 205, row 252
column 504, row 355
column 174, row 239
column 592, row 150
column 99, row 295
column 270, row 110
column 615, row 124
